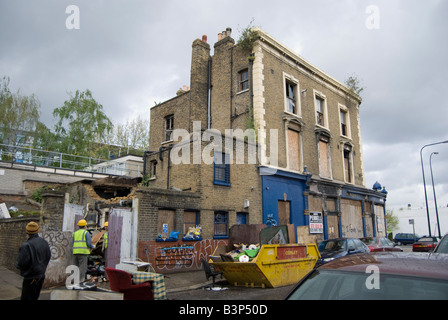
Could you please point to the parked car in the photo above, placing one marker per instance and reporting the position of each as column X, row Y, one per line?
column 442, row 246
column 377, row 276
column 405, row 238
column 335, row 248
column 425, row 244
column 378, row 244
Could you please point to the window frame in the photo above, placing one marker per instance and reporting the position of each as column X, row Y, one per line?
column 168, row 120
column 348, row 149
column 220, row 218
column 344, row 110
column 294, row 83
column 324, row 109
column 243, row 84
column 218, row 166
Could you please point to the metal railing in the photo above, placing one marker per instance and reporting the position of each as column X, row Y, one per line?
column 58, row 160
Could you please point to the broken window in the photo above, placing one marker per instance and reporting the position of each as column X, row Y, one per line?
column 169, row 127
column 243, row 80
column 290, row 97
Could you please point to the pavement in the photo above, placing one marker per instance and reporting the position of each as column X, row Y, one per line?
column 175, row 283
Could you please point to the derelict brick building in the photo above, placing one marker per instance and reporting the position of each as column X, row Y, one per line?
column 306, row 123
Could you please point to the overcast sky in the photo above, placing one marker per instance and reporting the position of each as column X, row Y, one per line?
column 131, row 54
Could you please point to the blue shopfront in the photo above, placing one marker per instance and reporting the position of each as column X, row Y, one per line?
column 283, row 197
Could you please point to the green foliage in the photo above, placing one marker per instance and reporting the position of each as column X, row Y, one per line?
column 81, row 124
column 354, row 84
column 391, row 221
column 248, row 38
column 19, row 115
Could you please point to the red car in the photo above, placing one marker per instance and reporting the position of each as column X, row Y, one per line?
column 377, row 244
column 425, row 244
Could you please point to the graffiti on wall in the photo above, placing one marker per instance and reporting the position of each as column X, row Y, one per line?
column 179, row 256
column 59, row 242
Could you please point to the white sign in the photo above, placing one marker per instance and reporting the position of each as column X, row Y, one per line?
column 4, row 212
column 316, row 222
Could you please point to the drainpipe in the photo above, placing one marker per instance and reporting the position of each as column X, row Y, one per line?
column 231, row 87
column 169, row 166
column 144, row 163
column 209, row 92
column 251, row 86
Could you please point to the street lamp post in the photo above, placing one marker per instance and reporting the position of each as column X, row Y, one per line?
column 424, row 183
column 434, row 191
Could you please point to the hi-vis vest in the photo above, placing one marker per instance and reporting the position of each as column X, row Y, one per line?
column 80, row 243
column 105, row 239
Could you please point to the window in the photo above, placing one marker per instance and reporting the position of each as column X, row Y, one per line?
column 241, row 218
column 291, row 92
column 324, row 157
column 344, row 118
column 169, row 127
column 243, row 80
column 221, row 224
column 153, row 169
column 320, row 111
column 348, row 163
column 221, row 175
column 290, row 97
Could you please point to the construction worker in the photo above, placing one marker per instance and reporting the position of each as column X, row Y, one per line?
column 105, row 236
column 82, row 243
column 34, row 256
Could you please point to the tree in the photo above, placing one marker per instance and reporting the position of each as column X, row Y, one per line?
column 133, row 134
column 391, row 221
column 354, row 84
column 19, row 115
column 81, row 125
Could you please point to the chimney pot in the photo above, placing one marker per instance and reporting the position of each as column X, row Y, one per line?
column 204, row 38
column 219, row 36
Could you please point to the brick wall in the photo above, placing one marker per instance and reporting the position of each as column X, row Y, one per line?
column 175, row 259
column 12, row 235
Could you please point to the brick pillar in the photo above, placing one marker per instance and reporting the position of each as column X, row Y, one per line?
column 52, row 210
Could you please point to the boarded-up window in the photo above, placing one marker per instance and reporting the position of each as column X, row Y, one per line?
column 380, row 223
column 283, row 213
column 324, row 158
column 351, row 218
column 191, row 219
column 293, row 150
column 333, row 225
column 165, row 222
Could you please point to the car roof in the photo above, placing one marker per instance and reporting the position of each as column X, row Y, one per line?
column 432, row 265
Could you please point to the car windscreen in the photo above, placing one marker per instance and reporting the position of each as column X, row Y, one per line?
column 333, row 245
column 443, row 246
column 343, row 285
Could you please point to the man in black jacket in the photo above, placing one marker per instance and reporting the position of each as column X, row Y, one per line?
column 34, row 255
